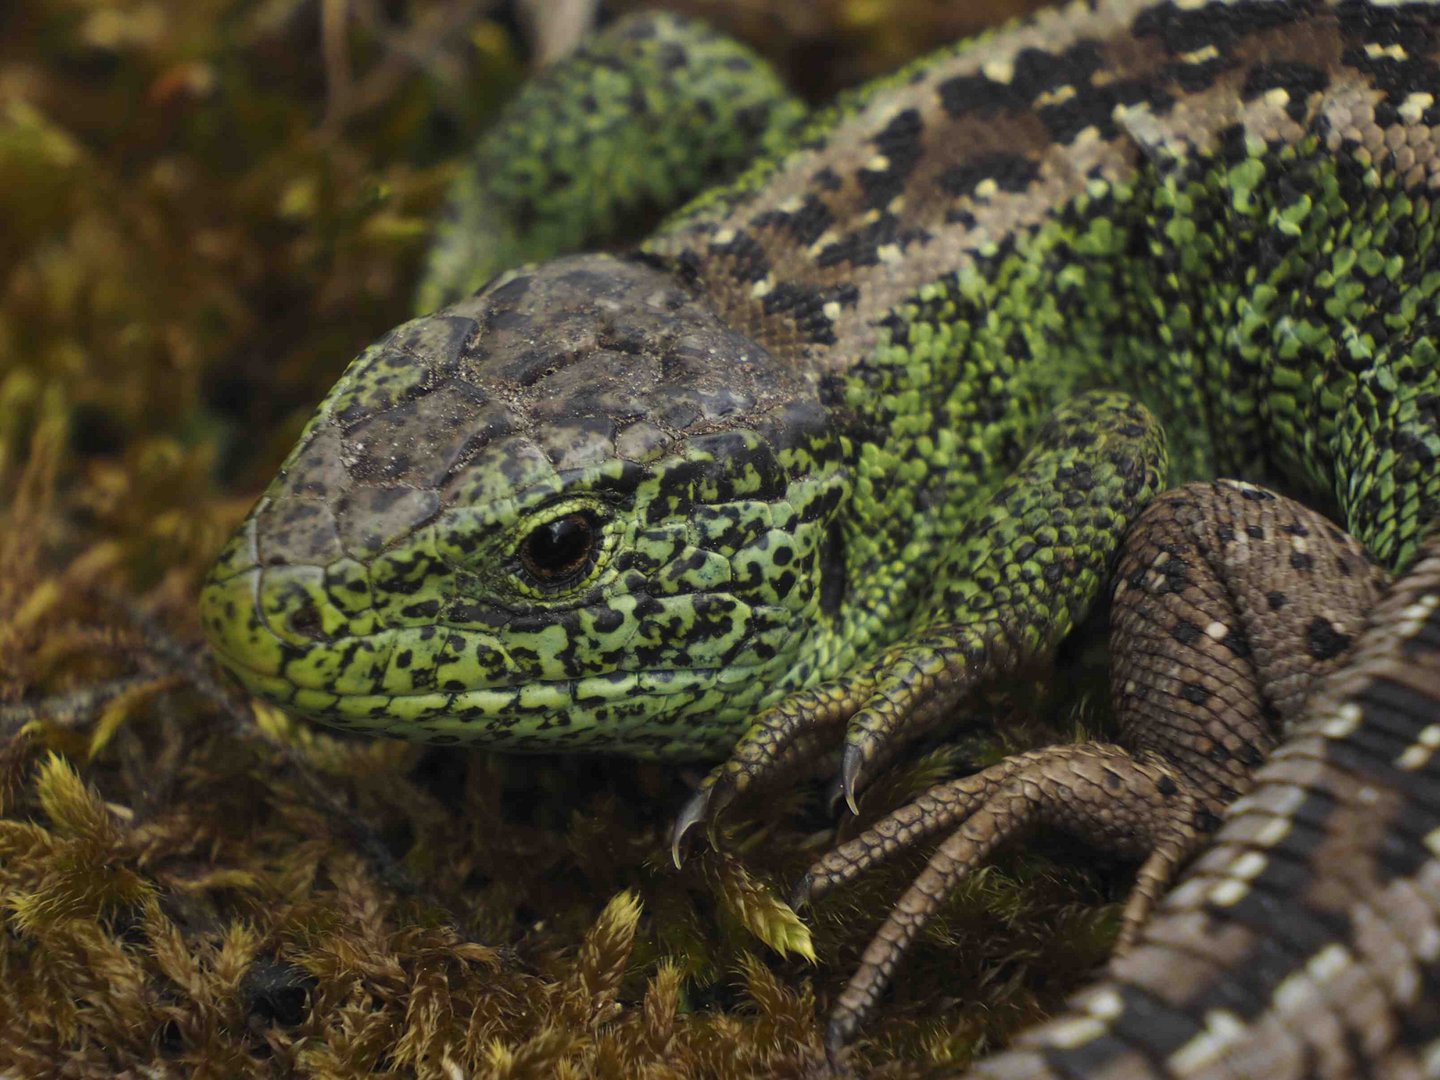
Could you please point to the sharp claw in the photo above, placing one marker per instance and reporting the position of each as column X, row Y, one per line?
column 722, row 794
column 850, row 763
column 704, row 808
column 800, row 894
column 691, row 814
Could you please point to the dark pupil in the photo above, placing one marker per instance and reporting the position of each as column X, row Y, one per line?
column 559, row 548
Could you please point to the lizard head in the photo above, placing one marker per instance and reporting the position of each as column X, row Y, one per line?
column 573, row 510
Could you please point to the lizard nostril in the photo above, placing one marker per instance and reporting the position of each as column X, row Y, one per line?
column 306, row 622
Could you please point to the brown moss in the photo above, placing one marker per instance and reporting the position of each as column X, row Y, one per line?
column 204, row 222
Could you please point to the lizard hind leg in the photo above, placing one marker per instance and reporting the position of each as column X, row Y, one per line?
column 1230, row 603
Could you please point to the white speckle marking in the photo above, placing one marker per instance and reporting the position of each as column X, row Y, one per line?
column 1408, row 624
column 986, row 189
column 1295, row 994
column 1105, row 1004
column 831, row 310
column 1273, row 832
column 1200, row 56
column 1001, row 70
column 1277, row 97
column 823, row 241
column 1343, row 723
column 1188, row 894
column 1412, row 109
column 1291, row 798
column 1071, row 1033
column 1216, row 631
column 888, row 253
column 1228, row 892
column 1327, row 964
column 1130, row 117
column 1248, row 866
column 1421, row 750
column 1058, row 96
column 1222, row 1030
column 762, row 287
column 1392, row 52
column 878, row 163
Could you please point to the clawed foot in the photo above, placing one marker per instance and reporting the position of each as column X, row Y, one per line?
column 787, row 743
column 876, row 714
column 1099, row 792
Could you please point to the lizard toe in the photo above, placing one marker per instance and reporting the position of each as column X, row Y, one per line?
column 1115, row 800
column 699, row 809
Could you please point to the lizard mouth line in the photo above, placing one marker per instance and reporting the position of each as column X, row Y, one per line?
column 249, row 672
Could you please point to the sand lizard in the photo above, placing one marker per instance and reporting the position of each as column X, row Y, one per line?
column 865, row 426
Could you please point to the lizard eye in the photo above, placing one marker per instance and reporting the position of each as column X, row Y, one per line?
column 561, row 550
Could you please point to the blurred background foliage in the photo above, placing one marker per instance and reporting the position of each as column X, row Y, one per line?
column 208, row 207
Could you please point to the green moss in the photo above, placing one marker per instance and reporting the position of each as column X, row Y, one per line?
column 201, row 231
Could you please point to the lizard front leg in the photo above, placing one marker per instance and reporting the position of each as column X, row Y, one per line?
column 1024, row 570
